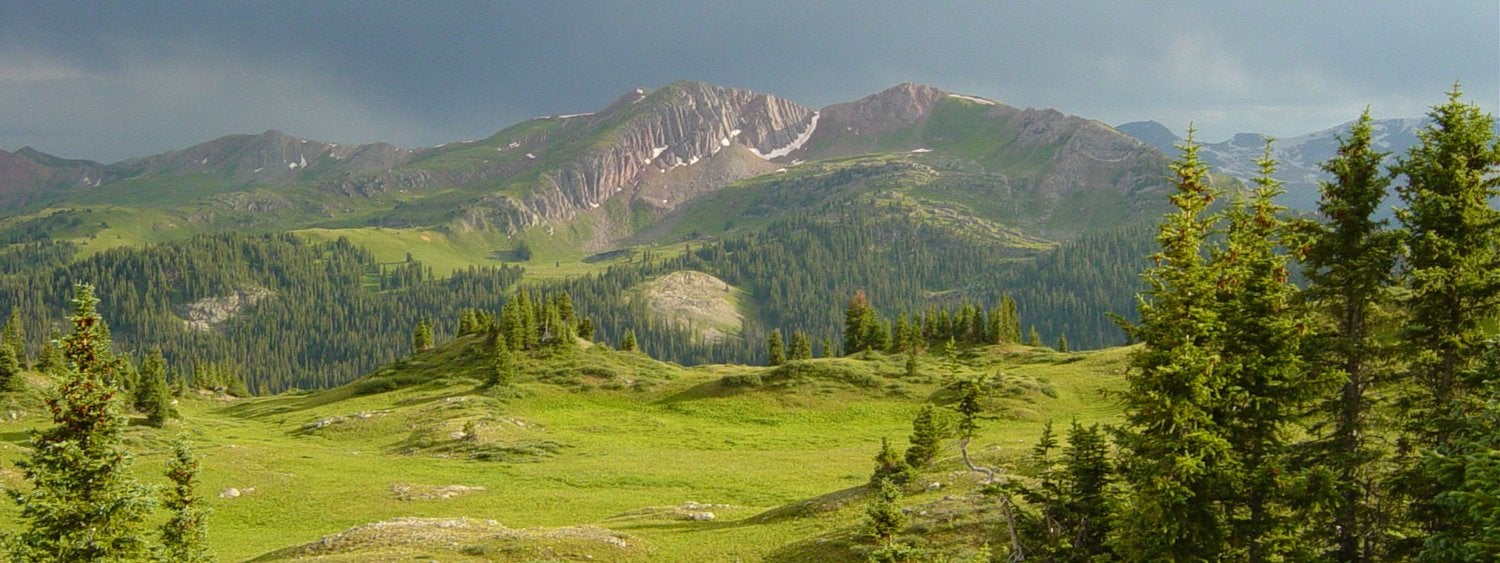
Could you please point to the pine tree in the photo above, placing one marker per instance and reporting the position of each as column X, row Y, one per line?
column 968, row 408
column 828, row 351
column 1062, row 343
column 1011, row 320
column 775, row 352
column 801, row 346
column 51, row 359
column 1467, row 475
column 152, row 395
column 184, row 537
column 1453, row 273
column 1034, row 338
column 421, row 337
column 1173, row 450
column 1265, row 387
column 1349, row 261
column 13, row 336
column 10, row 370
column 861, row 325
column 503, row 368
column 927, row 434
column 884, row 518
column 628, row 343
column 83, row 504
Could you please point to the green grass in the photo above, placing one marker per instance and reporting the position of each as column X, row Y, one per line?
column 630, row 440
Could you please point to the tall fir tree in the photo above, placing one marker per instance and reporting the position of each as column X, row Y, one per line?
column 1350, row 260
column 184, row 536
column 83, row 504
column 1453, row 275
column 861, row 325
column 1266, row 387
column 1173, row 449
column 51, row 360
column 628, row 342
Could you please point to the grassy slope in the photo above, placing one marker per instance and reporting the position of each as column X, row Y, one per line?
column 632, row 438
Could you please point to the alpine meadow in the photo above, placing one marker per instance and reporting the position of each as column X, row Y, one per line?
column 708, row 323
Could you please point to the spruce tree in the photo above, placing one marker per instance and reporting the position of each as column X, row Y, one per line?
column 628, row 343
column 1466, row 472
column 51, row 360
column 828, row 351
column 1173, row 450
column 862, row 329
column 890, row 466
column 927, row 434
column 503, row 368
column 1453, row 275
column 152, row 396
column 1349, row 261
column 13, row 336
column 1034, row 338
column 421, row 337
column 884, row 518
column 1259, row 360
column 1062, row 343
column 801, row 346
column 83, row 504
column 184, row 536
column 775, row 352
column 10, row 370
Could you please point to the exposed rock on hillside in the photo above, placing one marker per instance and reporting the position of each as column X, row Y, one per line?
column 696, row 300
column 207, row 313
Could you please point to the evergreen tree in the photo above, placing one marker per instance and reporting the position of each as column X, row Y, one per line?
column 13, row 336
column 861, row 325
column 10, row 370
column 1467, row 475
column 184, row 537
column 927, row 434
column 801, row 346
column 1453, row 274
column 503, row 369
column 775, row 353
column 152, row 396
column 628, row 343
column 51, row 359
column 421, row 337
column 890, row 466
column 968, row 408
column 1062, row 343
column 1349, row 263
column 1260, row 363
column 1034, row 338
column 883, row 518
column 1173, row 450
column 1010, row 320
column 83, row 504
column 828, row 351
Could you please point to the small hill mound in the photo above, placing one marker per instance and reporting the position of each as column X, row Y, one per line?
column 698, row 301
column 461, row 539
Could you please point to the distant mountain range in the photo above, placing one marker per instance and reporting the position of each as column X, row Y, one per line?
column 608, row 175
column 1299, row 158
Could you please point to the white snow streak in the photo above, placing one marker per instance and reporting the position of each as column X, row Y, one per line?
column 972, row 99
column 529, row 155
column 796, row 143
column 921, row 150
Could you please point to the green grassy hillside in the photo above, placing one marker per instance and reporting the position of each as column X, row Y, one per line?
column 597, row 454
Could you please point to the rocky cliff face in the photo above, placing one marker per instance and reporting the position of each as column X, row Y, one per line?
column 652, row 134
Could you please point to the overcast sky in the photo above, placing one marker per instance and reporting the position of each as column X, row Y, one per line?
column 135, row 78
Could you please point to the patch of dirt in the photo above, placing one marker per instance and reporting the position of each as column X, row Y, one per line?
column 430, row 492
column 448, row 538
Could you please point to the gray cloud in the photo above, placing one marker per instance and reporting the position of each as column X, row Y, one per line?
column 124, row 80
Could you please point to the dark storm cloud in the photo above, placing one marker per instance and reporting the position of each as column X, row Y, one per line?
column 125, row 80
